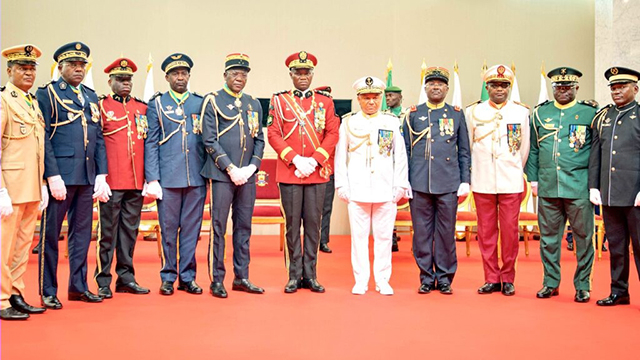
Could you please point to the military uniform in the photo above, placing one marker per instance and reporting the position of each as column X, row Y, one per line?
column 437, row 145
column 499, row 139
column 558, row 162
column 233, row 138
column 371, row 167
column 75, row 151
column 302, row 124
column 174, row 156
column 22, row 175
column 124, row 126
column 614, row 170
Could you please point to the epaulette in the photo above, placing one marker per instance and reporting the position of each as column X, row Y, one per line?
column 2, row 88
column 522, row 104
column 592, row 103
column 348, row 114
column 413, row 108
column 252, row 97
column 473, row 103
column 140, row 100
column 324, row 88
column 542, row 103
column 214, row 93
column 44, row 86
column 323, row 92
column 102, row 97
column 158, row 93
column 281, row 92
column 604, row 109
column 456, row 108
column 197, row 94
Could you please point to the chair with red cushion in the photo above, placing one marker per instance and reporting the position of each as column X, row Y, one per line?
column 467, row 217
column 527, row 218
column 403, row 216
column 267, row 209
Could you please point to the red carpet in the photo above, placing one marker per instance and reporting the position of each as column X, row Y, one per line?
column 334, row 325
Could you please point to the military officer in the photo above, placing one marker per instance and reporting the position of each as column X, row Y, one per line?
column 22, row 193
column 124, row 126
column 437, row 143
column 371, row 176
column 558, row 170
column 614, row 177
column 234, row 142
column 75, row 169
column 173, row 158
column 303, row 130
column 499, row 139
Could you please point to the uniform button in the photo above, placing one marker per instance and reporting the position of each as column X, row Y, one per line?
column 448, row 141
column 561, row 114
column 557, row 154
column 559, row 140
column 613, row 152
column 430, row 125
column 619, row 122
column 245, row 149
column 134, row 154
column 447, row 159
column 187, row 150
column 615, row 137
column 304, row 146
column 87, row 158
column 433, row 140
column 560, row 126
column 558, row 168
column 133, row 143
column 613, row 169
column 372, row 171
column 245, row 136
column 432, row 157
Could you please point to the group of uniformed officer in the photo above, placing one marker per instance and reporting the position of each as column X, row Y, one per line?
column 66, row 147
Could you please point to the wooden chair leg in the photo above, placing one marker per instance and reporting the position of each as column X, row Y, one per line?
column 282, row 237
column 159, row 241
column 467, row 239
column 526, row 241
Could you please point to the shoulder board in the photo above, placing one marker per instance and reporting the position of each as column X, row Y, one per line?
column 456, row 108
column 323, row 92
column 140, row 100
column 347, row 115
column 413, row 108
column 2, row 88
column 45, row 85
column 252, row 97
column 592, row 103
column 522, row 104
column 281, row 92
column 214, row 93
column 542, row 103
column 324, row 88
column 475, row 102
column 158, row 93
column 604, row 109
column 102, row 97
column 197, row 94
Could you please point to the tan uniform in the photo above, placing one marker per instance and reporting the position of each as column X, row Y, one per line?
column 22, row 176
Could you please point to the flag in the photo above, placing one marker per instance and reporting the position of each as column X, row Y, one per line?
column 88, row 79
column 389, row 79
column 148, row 84
column 544, row 95
column 457, row 91
column 54, row 71
column 423, row 73
column 515, row 92
column 484, row 94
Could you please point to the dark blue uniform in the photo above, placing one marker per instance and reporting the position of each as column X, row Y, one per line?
column 232, row 134
column 174, row 155
column 437, row 145
column 75, row 150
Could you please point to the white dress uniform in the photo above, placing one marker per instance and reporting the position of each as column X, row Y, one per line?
column 371, row 164
column 499, row 140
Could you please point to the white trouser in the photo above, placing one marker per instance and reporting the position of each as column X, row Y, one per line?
column 361, row 216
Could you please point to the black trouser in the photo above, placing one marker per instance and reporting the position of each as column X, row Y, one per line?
column 326, row 210
column 302, row 205
column 119, row 222
column 434, row 243
column 226, row 195
column 622, row 223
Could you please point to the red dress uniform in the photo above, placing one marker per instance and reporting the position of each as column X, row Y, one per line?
column 306, row 125
column 124, row 127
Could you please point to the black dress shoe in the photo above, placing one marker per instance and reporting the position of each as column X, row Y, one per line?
column 570, row 246
column 292, row 286
column 217, row 290
column 394, row 246
column 547, row 292
column 191, row 287
column 425, row 288
column 313, row 285
column 132, row 288
column 166, row 288
column 17, row 302
column 325, row 248
column 104, row 292
column 51, row 302
column 86, row 296
column 508, row 289
column 604, row 248
column 582, row 296
column 445, row 289
column 489, row 288
column 246, row 285
column 13, row 314
column 614, row 299
column 36, row 249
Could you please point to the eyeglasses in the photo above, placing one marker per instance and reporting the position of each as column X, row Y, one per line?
column 499, row 85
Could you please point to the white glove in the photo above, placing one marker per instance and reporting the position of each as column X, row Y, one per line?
column 6, row 208
column 343, row 194
column 303, row 165
column 398, row 194
column 57, row 187
column 637, row 202
column 594, row 197
column 463, row 189
column 237, row 176
column 534, row 188
column 144, row 189
column 248, row 171
column 101, row 190
column 45, row 198
column 154, row 190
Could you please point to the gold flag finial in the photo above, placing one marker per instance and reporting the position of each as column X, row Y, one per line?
column 513, row 67
column 455, row 65
column 542, row 68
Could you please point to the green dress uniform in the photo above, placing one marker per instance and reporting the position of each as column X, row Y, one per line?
column 559, row 162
